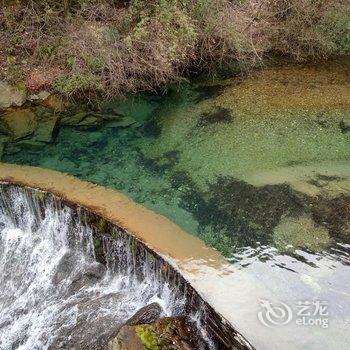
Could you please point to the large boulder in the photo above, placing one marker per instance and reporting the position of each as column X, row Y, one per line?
column 11, row 95
column 127, row 339
column 166, row 333
column 148, row 314
column 21, row 123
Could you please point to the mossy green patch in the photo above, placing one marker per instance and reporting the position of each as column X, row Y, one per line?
column 300, row 232
column 147, row 336
column 40, row 195
column 133, row 244
column 101, row 225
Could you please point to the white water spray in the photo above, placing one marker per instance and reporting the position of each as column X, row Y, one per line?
column 53, row 292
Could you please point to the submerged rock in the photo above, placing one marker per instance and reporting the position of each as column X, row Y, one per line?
column 11, row 95
column 28, row 146
column 344, row 125
column 174, row 333
column 82, row 119
column 4, row 139
column 4, row 130
column 334, row 214
column 90, row 121
column 27, row 131
column 108, row 116
column 20, row 123
column 301, row 232
column 247, row 214
column 2, row 147
column 220, row 115
column 74, row 119
column 123, row 123
column 46, row 130
column 151, row 129
column 206, row 92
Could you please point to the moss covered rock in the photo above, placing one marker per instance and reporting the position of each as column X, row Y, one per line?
column 30, row 146
column 167, row 333
column 73, row 119
column 123, row 123
column 127, row 339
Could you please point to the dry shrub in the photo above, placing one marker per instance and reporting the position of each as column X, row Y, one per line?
column 114, row 47
column 151, row 53
column 227, row 33
column 307, row 28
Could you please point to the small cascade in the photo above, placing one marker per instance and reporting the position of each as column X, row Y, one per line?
column 69, row 279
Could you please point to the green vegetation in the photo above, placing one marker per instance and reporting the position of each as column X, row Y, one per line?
column 147, row 336
column 113, row 47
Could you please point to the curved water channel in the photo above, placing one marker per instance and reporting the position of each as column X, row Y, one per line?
column 258, row 168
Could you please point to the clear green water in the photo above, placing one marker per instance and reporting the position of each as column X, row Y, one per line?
column 229, row 178
column 269, row 188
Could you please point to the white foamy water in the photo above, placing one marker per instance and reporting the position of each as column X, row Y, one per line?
column 53, row 292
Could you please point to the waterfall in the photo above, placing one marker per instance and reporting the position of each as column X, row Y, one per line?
column 69, row 279
column 53, row 291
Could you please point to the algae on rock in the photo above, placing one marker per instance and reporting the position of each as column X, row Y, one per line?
column 301, row 232
column 46, row 129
